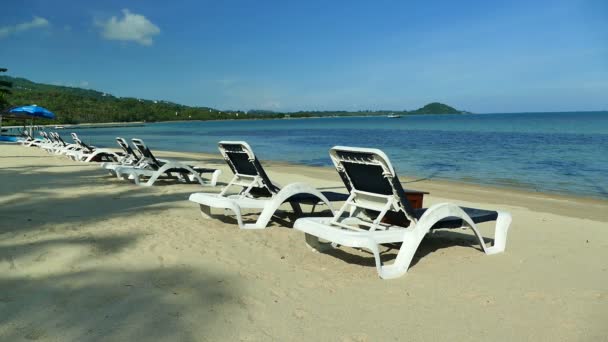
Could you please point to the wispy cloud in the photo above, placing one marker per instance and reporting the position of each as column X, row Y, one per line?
column 35, row 23
column 130, row 27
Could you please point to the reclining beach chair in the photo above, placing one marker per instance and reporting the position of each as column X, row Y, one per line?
column 64, row 147
column 376, row 195
column 128, row 158
column 58, row 145
column 30, row 140
column 50, row 144
column 257, row 192
column 53, row 142
column 47, row 142
column 152, row 168
column 41, row 142
column 89, row 154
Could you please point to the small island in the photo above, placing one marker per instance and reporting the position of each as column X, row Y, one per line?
column 437, row 108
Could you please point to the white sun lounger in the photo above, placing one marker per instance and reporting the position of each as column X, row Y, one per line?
column 30, row 140
column 59, row 146
column 375, row 191
column 89, row 154
column 128, row 159
column 153, row 169
column 257, row 191
column 46, row 143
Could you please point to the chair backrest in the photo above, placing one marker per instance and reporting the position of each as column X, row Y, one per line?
column 242, row 161
column 369, row 175
column 51, row 136
column 146, row 153
column 44, row 136
column 80, row 142
column 125, row 146
column 56, row 138
column 59, row 139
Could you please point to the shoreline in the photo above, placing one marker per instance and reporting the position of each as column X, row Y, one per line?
column 415, row 183
column 459, row 182
column 446, row 189
column 500, row 184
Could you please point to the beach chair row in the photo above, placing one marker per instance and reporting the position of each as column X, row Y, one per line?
column 52, row 142
column 137, row 164
column 374, row 214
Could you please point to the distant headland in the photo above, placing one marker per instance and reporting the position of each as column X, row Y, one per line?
column 75, row 105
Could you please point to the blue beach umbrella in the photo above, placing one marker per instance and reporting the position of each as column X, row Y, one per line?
column 32, row 111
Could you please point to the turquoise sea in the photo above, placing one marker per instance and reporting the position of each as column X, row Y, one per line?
column 547, row 152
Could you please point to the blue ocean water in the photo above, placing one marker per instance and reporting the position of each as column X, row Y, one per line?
column 547, row 152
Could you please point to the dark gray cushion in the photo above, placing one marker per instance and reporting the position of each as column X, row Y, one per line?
column 477, row 215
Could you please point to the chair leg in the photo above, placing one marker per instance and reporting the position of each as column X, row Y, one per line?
column 215, row 176
column 503, row 222
column 136, row 178
column 404, row 258
column 205, row 211
column 297, row 209
column 151, row 180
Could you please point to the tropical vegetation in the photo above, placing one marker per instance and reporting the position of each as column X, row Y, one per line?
column 4, row 90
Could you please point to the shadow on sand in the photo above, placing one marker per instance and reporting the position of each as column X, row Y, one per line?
column 49, row 293
column 28, row 193
column 430, row 244
column 113, row 305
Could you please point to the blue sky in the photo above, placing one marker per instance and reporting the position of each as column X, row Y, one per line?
column 482, row 56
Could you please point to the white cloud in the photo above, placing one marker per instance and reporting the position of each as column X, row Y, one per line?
column 37, row 22
column 130, row 27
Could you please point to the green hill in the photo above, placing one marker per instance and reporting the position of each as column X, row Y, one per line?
column 76, row 105
column 437, row 108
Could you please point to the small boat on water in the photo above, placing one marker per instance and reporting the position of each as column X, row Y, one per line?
column 59, row 127
column 393, row 116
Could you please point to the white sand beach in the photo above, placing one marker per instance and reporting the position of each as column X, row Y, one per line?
column 87, row 257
